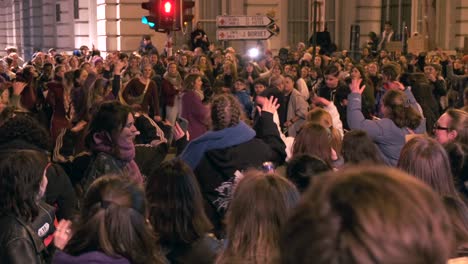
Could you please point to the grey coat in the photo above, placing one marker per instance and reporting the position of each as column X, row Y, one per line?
column 297, row 106
column 389, row 138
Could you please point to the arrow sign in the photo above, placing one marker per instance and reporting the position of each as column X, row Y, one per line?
column 243, row 21
column 243, row 34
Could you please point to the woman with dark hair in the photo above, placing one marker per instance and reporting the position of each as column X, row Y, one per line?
column 400, row 120
column 250, row 74
column 303, row 168
column 316, row 79
column 368, row 98
column 259, row 209
column 112, row 227
column 359, row 148
column 22, row 132
column 459, row 219
column 110, row 138
column 177, row 214
column 192, row 107
column 458, row 157
column 229, row 147
column 80, row 95
column 426, row 159
column 22, row 184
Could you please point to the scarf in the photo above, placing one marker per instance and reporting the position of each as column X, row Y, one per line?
column 126, row 153
column 200, row 94
column 176, row 80
column 211, row 140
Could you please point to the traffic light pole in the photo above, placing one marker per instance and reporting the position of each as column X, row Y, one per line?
column 169, row 43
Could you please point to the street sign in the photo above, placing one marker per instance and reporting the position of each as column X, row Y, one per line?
column 243, row 21
column 243, row 34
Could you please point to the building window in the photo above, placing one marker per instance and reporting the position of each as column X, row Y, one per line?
column 76, row 9
column 330, row 18
column 57, row 13
column 298, row 21
column 398, row 12
column 301, row 20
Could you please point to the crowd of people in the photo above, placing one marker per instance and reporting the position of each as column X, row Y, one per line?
column 374, row 151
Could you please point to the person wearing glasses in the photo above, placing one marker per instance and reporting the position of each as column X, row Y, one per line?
column 452, row 126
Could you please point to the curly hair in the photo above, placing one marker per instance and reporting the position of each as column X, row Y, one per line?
column 25, row 128
column 225, row 111
column 21, row 173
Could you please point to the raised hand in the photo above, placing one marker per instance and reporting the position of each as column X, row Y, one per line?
column 18, row 87
column 356, row 87
column 270, row 105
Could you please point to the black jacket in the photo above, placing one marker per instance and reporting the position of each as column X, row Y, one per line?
column 202, row 251
column 215, row 171
column 59, row 190
column 19, row 243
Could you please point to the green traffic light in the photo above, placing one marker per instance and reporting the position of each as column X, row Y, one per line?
column 144, row 20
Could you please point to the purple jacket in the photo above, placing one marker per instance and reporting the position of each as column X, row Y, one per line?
column 195, row 112
column 93, row 257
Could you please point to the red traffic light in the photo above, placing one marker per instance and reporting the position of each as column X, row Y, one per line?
column 167, row 7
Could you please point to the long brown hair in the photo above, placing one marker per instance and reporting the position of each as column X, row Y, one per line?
column 358, row 148
column 367, row 215
column 426, row 159
column 314, row 139
column 113, row 220
column 258, row 210
column 176, row 204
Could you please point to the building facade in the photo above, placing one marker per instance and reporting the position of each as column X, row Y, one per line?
column 115, row 24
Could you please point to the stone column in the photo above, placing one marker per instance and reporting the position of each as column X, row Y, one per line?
column 368, row 17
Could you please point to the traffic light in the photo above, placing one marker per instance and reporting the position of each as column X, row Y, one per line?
column 187, row 13
column 167, row 13
column 151, row 19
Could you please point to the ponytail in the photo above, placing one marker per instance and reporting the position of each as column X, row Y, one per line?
column 400, row 111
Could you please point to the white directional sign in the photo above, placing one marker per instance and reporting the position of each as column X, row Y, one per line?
column 243, row 21
column 243, row 34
